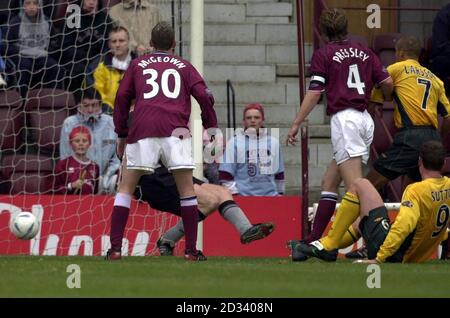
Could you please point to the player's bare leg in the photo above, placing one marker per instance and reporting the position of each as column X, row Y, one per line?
column 220, row 198
column 210, row 198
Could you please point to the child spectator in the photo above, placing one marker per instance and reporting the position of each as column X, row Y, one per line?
column 77, row 174
column 103, row 150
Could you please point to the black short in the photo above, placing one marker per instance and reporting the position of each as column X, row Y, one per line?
column 374, row 229
column 401, row 158
column 160, row 191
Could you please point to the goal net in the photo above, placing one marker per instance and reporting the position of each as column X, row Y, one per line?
column 49, row 53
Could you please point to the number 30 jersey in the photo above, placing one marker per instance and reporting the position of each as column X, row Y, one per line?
column 421, row 223
column 347, row 72
column 416, row 92
column 160, row 87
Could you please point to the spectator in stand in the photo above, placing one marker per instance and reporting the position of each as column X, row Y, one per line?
column 109, row 72
column 346, row 71
column 135, row 16
column 84, row 44
column 77, row 174
column 439, row 62
column 27, row 46
column 253, row 162
column 103, row 150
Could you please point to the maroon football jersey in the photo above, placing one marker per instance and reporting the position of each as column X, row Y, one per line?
column 161, row 85
column 70, row 170
column 347, row 71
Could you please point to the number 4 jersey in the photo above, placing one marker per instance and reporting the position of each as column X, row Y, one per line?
column 160, row 87
column 347, row 72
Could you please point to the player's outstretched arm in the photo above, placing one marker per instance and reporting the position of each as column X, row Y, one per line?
column 310, row 100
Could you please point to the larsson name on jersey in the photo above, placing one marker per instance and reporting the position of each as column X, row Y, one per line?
column 342, row 54
column 161, row 59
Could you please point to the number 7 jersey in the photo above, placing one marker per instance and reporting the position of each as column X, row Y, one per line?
column 347, row 72
column 421, row 223
column 417, row 92
column 160, row 86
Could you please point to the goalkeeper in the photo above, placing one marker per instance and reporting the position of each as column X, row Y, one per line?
column 160, row 192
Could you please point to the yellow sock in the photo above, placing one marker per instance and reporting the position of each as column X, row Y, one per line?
column 350, row 236
column 346, row 214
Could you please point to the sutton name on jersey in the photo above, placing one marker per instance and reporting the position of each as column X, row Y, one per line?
column 440, row 195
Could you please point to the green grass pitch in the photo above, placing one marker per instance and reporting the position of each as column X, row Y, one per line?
column 27, row 276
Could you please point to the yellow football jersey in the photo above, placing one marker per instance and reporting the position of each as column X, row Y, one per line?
column 422, row 221
column 416, row 93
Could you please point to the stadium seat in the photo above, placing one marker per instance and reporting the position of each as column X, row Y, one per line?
column 11, row 120
column 27, row 174
column 46, row 110
column 384, row 46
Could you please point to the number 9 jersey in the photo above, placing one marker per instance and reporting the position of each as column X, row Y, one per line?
column 421, row 223
column 160, row 86
column 347, row 72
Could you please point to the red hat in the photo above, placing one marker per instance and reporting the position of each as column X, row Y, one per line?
column 80, row 129
column 254, row 106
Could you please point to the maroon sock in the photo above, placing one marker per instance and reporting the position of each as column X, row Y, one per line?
column 325, row 210
column 189, row 214
column 118, row 222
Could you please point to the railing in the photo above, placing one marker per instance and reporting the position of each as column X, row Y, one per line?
column 180, row 24
column 230, row 88
column 304, row 128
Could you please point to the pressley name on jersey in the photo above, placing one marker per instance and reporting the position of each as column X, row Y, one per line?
column 342, row 54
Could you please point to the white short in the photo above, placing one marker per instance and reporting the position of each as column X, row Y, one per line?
column 174, row 153
column 351, row 135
